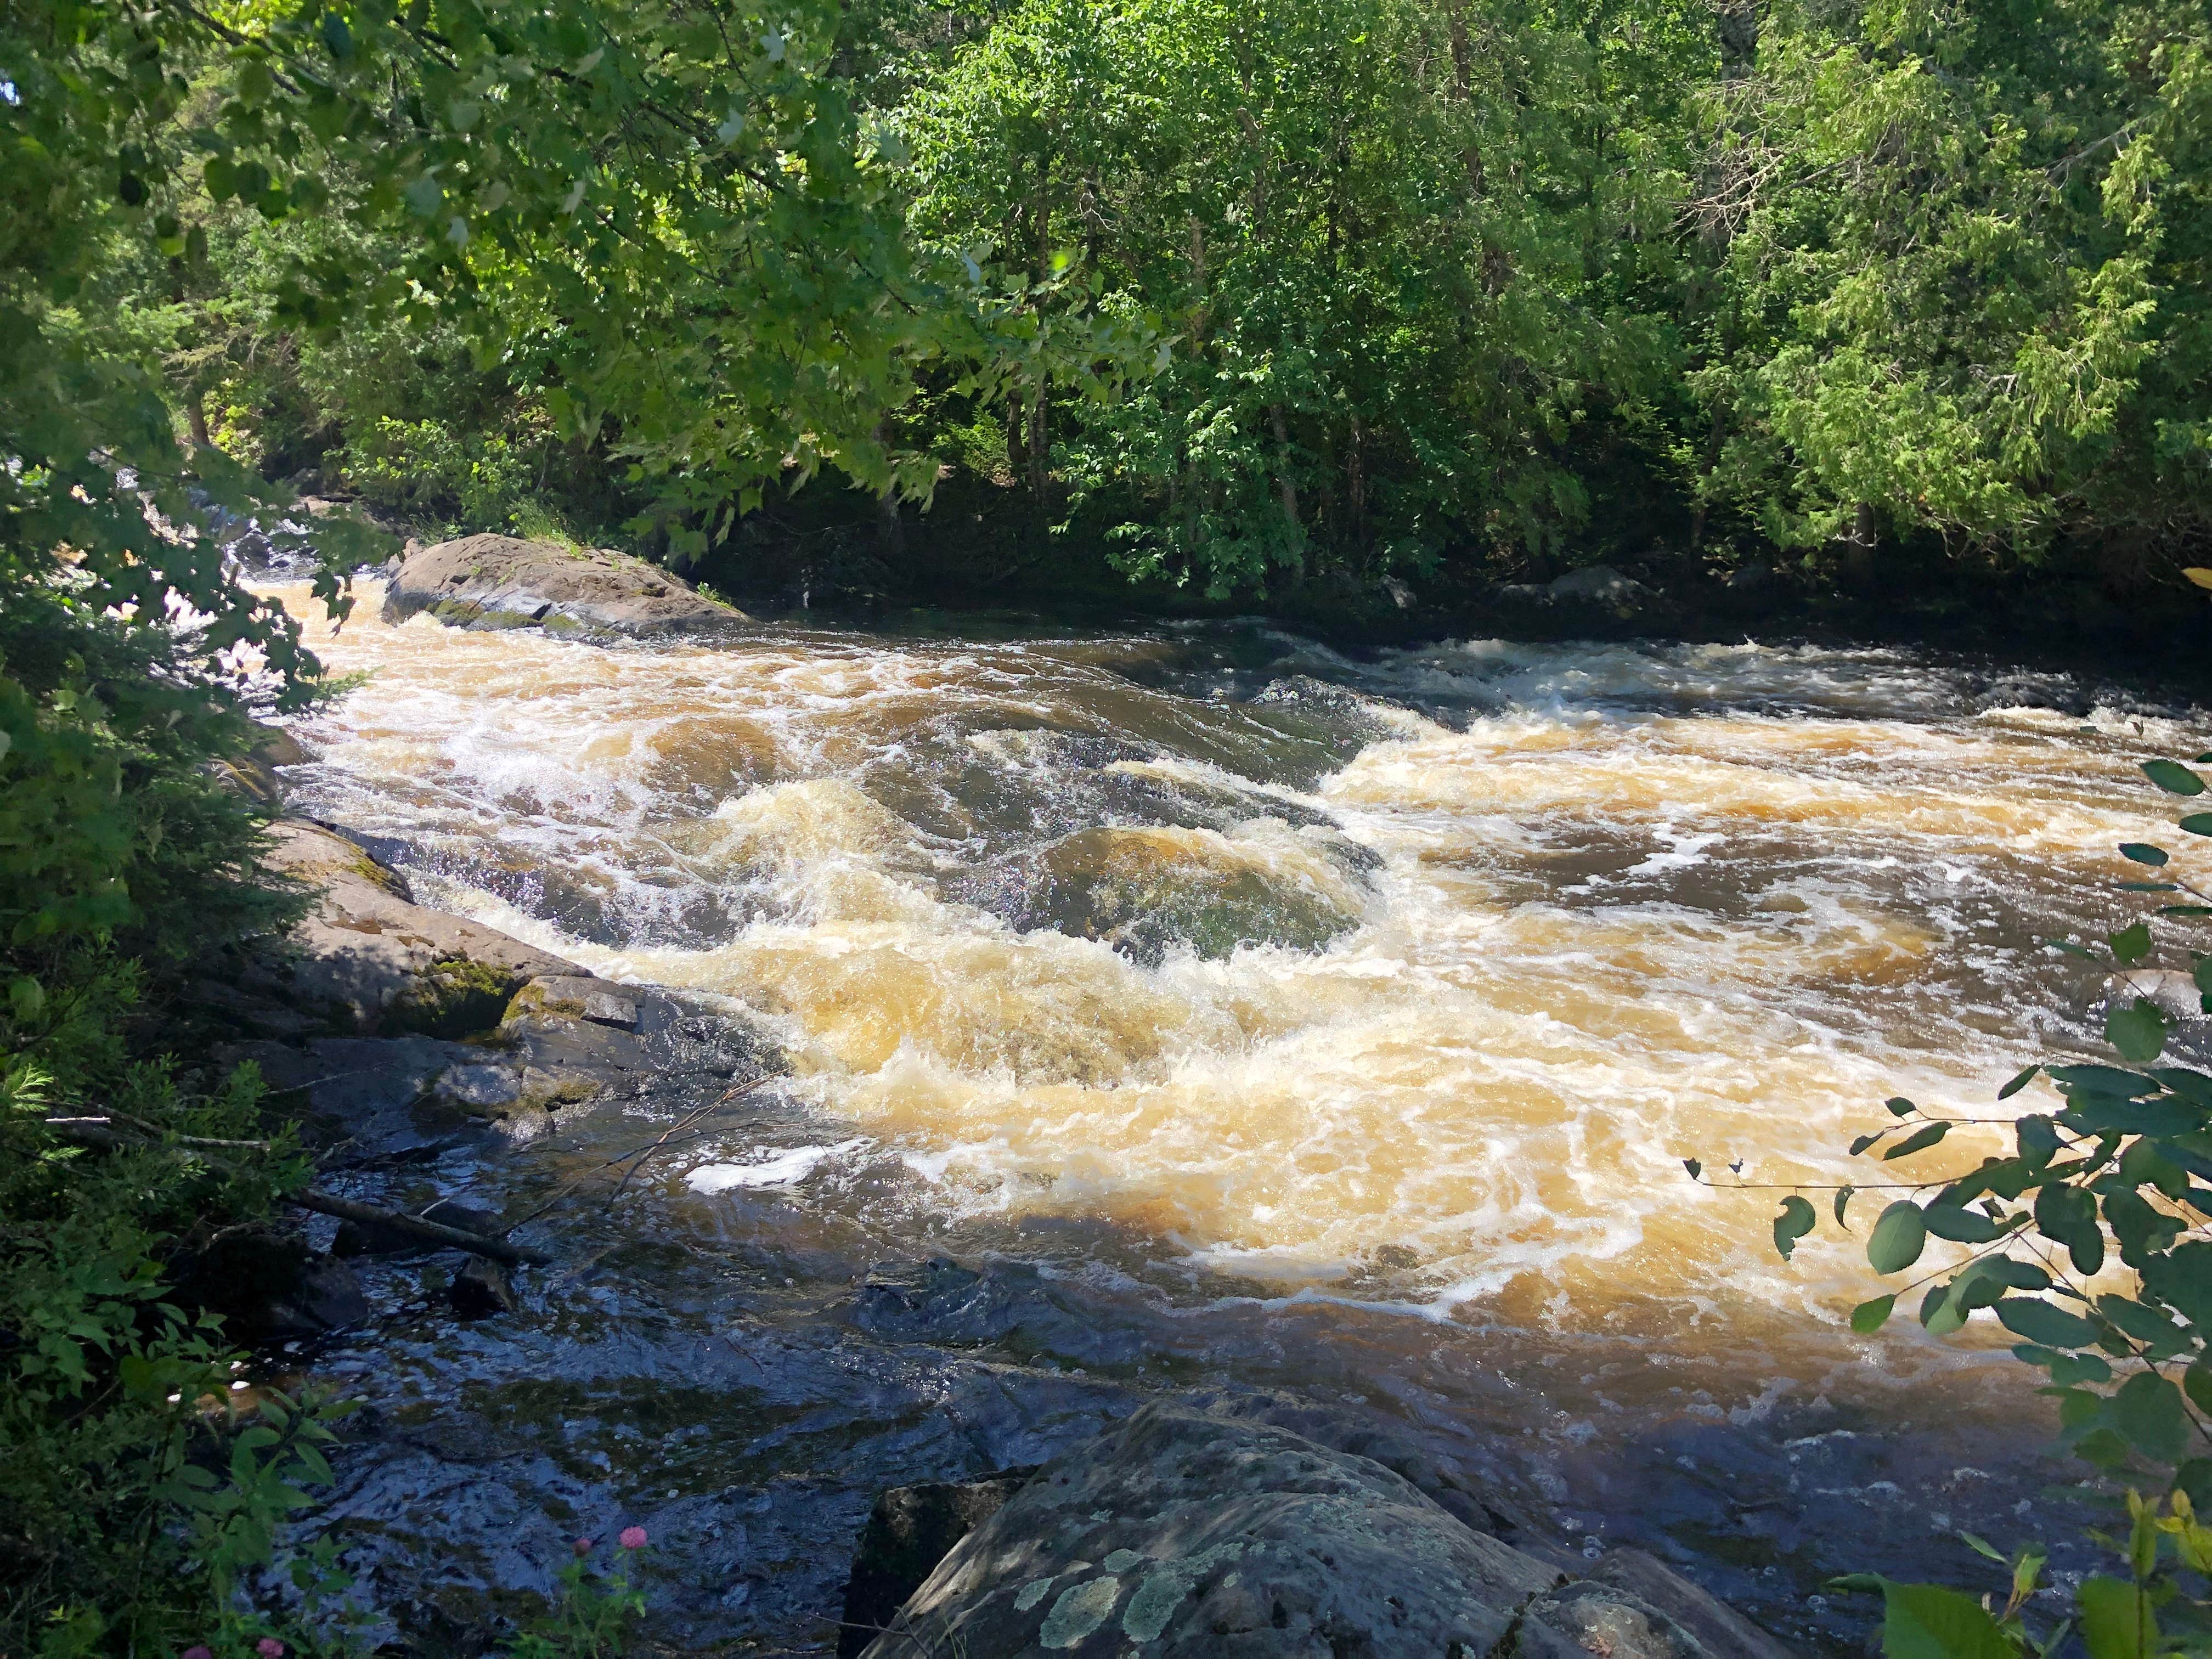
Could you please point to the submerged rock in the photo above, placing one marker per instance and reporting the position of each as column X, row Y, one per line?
column 1145, row 890
column 502, row 582
column 1188, row 1533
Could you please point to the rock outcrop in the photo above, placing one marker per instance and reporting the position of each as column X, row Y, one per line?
column 1188, row 1532
column 502, row 582
column 371, row 961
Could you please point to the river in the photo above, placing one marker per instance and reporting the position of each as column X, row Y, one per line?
column 1216, row 1009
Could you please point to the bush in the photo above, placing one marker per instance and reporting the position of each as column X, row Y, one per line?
column 2114, row 1173
column 132, row 1498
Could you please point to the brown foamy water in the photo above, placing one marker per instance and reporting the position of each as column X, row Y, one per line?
column 1405, row 983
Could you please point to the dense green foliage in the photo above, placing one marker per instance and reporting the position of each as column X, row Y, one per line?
column 131, row 1497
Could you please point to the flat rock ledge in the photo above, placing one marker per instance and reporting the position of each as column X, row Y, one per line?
column 1190, row 1532
column 368, row 961
column 503, row 581
column 400, row 1023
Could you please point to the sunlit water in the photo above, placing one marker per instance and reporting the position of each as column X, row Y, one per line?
column 1316, row 1023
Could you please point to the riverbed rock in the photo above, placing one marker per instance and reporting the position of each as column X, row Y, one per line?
column 1188, row 1532
column 269, row 1286
column 1599, row 584
column 1147, row 889
column 503, row 581
column 369, row 959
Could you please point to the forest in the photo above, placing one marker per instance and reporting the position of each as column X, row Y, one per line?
column 1361, row 313
column 1244, row 304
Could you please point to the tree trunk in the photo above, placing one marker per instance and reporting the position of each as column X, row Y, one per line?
column 196, row 419
column 1284, row 482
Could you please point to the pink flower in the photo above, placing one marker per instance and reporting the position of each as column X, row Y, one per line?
column 633, row 1538
column 195, row 1653
column 270, row 1648
column 583, row 1546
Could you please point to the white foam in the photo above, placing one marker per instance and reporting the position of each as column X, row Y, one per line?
column 784, row 1168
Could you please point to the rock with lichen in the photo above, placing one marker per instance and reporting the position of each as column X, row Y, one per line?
column 1187, row 1532
column 504, row 582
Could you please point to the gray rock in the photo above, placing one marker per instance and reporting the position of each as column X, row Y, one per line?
column 1720, row 1629
column 1599, row 584
column 909, row 1531
column 501, row 581
column 481, row 1289
column 1616, row 1623
column 1183, row 1533
column 1187, row 1532
column 593, row 999
column 371, row 960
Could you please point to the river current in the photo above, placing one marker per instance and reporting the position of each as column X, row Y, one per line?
column 1215, row 1008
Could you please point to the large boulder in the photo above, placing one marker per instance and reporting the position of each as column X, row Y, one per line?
column 370, row 960
column 502, row 582
column 1188, row 1532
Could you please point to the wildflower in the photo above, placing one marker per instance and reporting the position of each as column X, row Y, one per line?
column 195, row 1653
column 633, row 1538
column 583, row 1546
column 238, row 1386
column 270, row 1648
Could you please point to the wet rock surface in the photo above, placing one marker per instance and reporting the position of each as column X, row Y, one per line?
column 1195, row 1531
column 369, row 958
column 502, row 582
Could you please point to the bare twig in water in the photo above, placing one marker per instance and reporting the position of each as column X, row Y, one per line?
column 101, row 1134
column 641, row 1153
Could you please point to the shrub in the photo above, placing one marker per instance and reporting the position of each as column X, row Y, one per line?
column 2115, row 1173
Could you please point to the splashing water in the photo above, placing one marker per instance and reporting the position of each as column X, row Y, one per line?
column 1396, row 988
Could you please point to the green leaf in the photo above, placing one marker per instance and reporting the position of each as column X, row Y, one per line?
column 2138, row 1030
column 1940, row 1310
column 2131, row 944
column 1960, row 1225
column 2117, row 1622
column 2021, row 1080
column 1795, row 1220
column 1870, row 1316
column 2041, row 1322
column 2151, row 1414
column 2197, row 1382
column 2071, row 1371
column 2142, row 851
column 1695, row 1168
column 1919, row 1140
column 2197, row 823
column 2173, row 777
column 1898, row 1236
column 1842, row 1197
column 1927, row 1621
column 1900, row 1106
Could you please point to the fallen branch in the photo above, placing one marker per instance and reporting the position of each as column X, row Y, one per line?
column 101, row 1133
column 433, row 1232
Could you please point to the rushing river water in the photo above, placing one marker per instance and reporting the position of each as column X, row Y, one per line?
column 1244, row 1014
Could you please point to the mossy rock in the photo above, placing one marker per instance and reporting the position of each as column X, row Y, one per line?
column 452, row 999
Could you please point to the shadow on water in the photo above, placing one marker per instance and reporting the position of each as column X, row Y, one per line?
column 1206, row 1010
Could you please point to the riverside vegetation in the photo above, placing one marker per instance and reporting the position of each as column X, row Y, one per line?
column 1249, row 302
